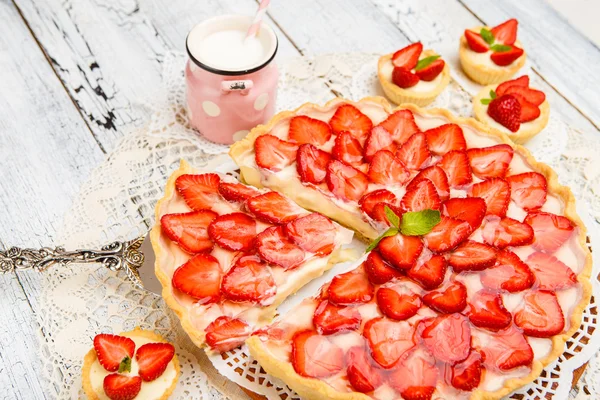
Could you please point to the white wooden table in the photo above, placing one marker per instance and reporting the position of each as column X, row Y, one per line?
column 74, row 74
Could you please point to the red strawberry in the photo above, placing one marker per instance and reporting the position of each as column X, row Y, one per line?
column 429, row 274
column 311, row 164
column 488, row 311
column 275, row 247
column 387, row 169
column 304, row 129
column 540, row 314
column 457, row 168
column 550, row 273
column 415, row 376
column 250, row 279
column 533, row 96
column 431, row 71
column 414, row 153
column 437, row 176
column 505, row 58
column 451, row 298
column 314, row 233
column 199, row 277
column 506, row 111
column 476, row 42
column 445, row 138
column 447, row 337
column 421, row 196
column 363, row 375
column 503, row 232
column 491, row 162
column 506, row 32
column 330, row 318
column 380, row 215
column 408, row 57
column 237, row 191
column 472, row 256
column 379, row 139
column 153, row 359
column 404, row 78
column 314, row 356
column 528, row 190
column 378, row 270
column 448, row 234
column 550, row 230
column 509, row 273
column 350, row 288
column 235, row 231
column 345, row 182
column 200, row 192
column 274, row 208
column 388, row 339
column 349, row 118
column 529, row 111
column 507, row 349
column 496, row 194
column 522, row 81
column 189, row 230
column 368, row 202
column 398, row 305
column 273, row 153
column 226, row 333
column 470, row 209
column 121, row 387
column 466, row 374
column 401, row 251
column 347, row 149
column 112, row 349
column 401, row 125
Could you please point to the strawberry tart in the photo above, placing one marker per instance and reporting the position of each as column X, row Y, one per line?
column 133, row 365
column 411, row 75
column 491, row 55
column 514, row 108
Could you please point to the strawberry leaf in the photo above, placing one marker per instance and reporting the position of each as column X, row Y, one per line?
column 425, row 62
column 417, row 223
column 485, row 102
column 125, row 365
column 487, row 35
column 392, row 217
column 500, row 48
column 390, row 232
column 492, row 94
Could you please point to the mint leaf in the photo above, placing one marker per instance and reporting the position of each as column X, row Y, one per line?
column 500, row 48
column 390, row 232
column 417, row 223
column 492, row 94
column 487, row 35
column 125, row 365
column 485, row 102
column 425, row 62
column 392, row 217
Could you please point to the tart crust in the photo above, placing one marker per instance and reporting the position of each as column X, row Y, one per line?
column 525, row 133
column 90, row 357
column 316, row 389
column 398, row 95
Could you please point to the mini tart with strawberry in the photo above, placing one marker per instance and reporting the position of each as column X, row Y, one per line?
column 514, row 108
column 138, row 365
column 411, row 75
column 491, row 55
column 228, row 254
column 480, row 262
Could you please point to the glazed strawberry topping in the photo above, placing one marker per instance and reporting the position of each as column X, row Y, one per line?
column 490, row 162
column 330, row 318
column 121, row 387
column 350, row 288
column 487, row 311
column 528, row 190
column 503, row 232
column 496, row 194
column 237, row 191
column 311, row 164
column 189, row 230
column 387, row 169
column 379, row 139
column 388, row 340
column 251, row 280
column 226, row 333
column 368, row 202
column 470, row 209
column 476, row 42
column 315, row 356
column 437, row 176
column 506, row 32
column 398, row 303
column 198, row 191
column 415, row 376
column 449, row 299
column 408, row 56
column 404, row 78
column 445, row 138
column 112, row 349
column 457, row 168
column 431, row 71
column 550, row 231
column 274, row 246
column 550, row 273
column 153, row 359
column 447, row 337
column 347, row 149
column 273, row 208
column 448, row 234
column 235, row 231
column 273, row 153
column 401, row 251
column 507, row 349
column 466, row 374
column 349, row 118
column 522, row 81
column 313, row 233
column 421, row 195
column 378, row 270
column 414, row 153
column 472, row 256
column 304, row 129
column 364, row 375
column 509, row 114
column 401, row 125
column 506, row 110
column 504, row 58
column 509, row 273
column 200, row 277
column 345, row 181
column 429, row 274
column 540, row 314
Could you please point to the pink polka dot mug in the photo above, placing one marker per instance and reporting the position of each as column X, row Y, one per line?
column 231, row 80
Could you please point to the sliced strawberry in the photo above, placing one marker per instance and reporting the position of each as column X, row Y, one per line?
column 472, row 256
column 273, row 153
column 153, row 359
column 226, row 333
column 368, row 202
column 275, row 247
column 528, row 190
column 379, row 139
column 379, row 212
column 431, row 71
column 189, row 230
column 112, row 349
column 350, row 288
column 304, row 129
column 398, row 305
column 386, row 169
column 476, row 42
column 509, row 273
column 388, row 340
column 507, row 349
column 466, row 375
column 235, row 231
column 200, row 192
column 421, row 196
column 314, row 356
column 550, row 230
column 445, row 138
column 330, row 318
column 378, row 270
column 540, row 314
column 448, row 234
column 470, row 209
column 533, row 96
column 437, row 176
column 506, row 111
column 414, row 153
column 314, row 233
column 503, row 232
column 447, row 337
column 363, row 375
column 529, row 111
column 449, row 299
column 550, row 273
column 311, row 164
column 487, row 311
column 349, row 118
column 457, row 168
column 431, row 273
column 251, row 280
column 506, row 32
column 522, row 81
column 492, row 161
column 347, row 149
column 121, row 387
column 496, row 194
column 505, row 58
column 401, row 125
column 237, row 191
column 415, row 376
column 401, row 251
column 408, row 57
column 404, row 78
column 199, row 277
column 346, row 182
column 274, row 208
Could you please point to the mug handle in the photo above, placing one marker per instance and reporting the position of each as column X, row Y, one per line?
column 242, row 86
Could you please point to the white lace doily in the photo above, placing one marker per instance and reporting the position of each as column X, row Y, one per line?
column 117, row 203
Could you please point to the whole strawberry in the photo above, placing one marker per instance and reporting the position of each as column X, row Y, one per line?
column 506, row 110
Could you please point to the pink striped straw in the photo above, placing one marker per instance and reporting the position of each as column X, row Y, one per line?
column 262, row 9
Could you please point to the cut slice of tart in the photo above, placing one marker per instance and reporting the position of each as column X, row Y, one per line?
column 228, row 254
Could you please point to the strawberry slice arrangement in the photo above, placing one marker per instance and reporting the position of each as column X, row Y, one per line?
column 500, row 40
column 410, row 68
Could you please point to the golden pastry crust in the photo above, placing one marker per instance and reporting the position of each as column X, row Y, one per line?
column 526, row 131
column 90, row 357
column 399, row 96
column 483, row 74
column 316, row 389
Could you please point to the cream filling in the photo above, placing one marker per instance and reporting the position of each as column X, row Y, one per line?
column 485, row 60
column 421, row 87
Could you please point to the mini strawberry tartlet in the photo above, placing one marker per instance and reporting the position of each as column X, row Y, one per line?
column 491, row 55
column 133, row 365
column 513, row 108
column 413, row 75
